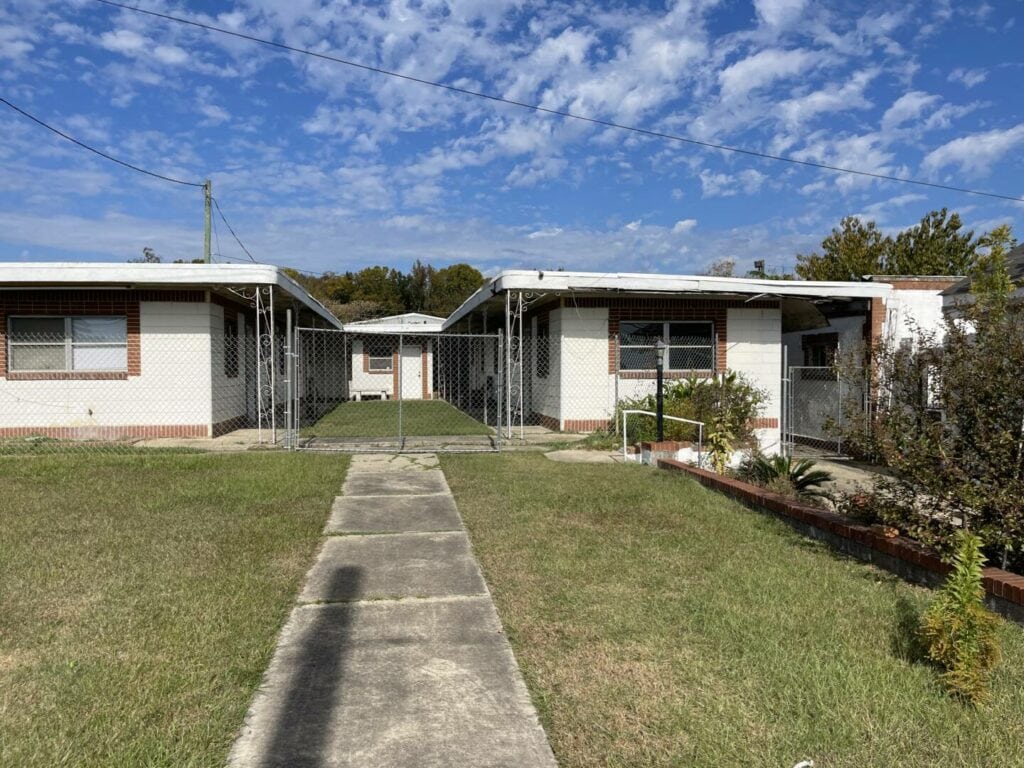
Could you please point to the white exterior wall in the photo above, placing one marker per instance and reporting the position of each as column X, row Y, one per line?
column 850, row 332
column 587, row 388
column 173, row 389
column 753, row 348
column 545, row 393
column 362, row 380
column 907, row 313
column 227, row 394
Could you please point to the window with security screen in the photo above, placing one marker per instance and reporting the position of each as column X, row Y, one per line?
column 690, row 345
column 63, row 344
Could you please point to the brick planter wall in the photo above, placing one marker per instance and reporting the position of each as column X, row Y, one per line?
column 902, row 556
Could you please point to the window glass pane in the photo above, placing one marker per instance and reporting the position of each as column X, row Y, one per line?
column 640, row 333
column 636, row 359
column 693, row 359
column 100, row 358
column 37, row 329
column 108, row 330
column 32, row 357
column 690, row 333
column 380, row 363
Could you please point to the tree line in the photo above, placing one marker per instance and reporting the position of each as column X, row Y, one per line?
column 937, row 245
column 380, row 291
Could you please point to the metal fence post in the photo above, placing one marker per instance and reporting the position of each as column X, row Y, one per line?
column 290, row 380
column 398, row 389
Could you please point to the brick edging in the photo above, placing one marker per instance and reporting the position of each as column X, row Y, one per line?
column 907, row 558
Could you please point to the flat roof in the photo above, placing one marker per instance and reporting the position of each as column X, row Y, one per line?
column 627, row 282
column 409, row 322
column 111, row 274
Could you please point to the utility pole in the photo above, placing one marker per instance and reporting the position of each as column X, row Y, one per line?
column 207, row 198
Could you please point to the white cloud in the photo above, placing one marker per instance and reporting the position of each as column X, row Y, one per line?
column 123, row 41
column 549, row 232
column 968, row 77
column 633, row 226
column 214, row 115
column 776, row 13
column 763, row 69
column 170, row 54
column 975, row 153
column 714, row 184
column 683, row 226
column 907, row 107
column 833, row 98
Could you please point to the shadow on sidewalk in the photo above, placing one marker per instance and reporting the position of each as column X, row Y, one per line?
column 299, row 738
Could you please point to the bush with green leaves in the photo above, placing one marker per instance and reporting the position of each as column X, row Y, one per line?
column 728, row 400
column 947, row 417
column 796, row 477
column 958, row 631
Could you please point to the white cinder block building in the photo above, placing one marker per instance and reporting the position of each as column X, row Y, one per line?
column 586, row 337
column 123, row 351
column 393, row 354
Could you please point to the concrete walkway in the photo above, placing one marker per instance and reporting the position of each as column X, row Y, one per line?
column 394, row 655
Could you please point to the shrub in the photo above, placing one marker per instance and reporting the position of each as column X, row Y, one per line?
column 959, row 632
column 728, row 400
column 784, row 475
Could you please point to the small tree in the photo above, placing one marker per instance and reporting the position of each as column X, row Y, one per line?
column 948, row 417
column 959, row 632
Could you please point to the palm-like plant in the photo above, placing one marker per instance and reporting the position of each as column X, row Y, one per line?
column 800, row 474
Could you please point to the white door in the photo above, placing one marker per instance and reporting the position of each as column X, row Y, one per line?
column 412, row 372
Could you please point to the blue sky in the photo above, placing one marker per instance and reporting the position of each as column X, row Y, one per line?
column 320, row 166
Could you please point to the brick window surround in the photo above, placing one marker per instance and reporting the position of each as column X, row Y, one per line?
column 665, row 309
column 72, row 303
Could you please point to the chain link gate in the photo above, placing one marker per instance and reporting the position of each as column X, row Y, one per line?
column 414, row 392
column 817, row 403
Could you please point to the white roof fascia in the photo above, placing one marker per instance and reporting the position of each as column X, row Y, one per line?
column 112, row 274
column 569, row 282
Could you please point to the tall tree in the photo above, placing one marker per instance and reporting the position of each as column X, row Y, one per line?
column 381, row 285
column 853, row 249
column 935, row 246
column 417, row 286
column 451, row 286
column 721, row 268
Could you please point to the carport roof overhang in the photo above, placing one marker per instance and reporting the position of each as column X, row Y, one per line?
column 70, row 275
column 616, row 283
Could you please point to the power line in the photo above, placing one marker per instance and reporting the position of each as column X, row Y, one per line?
column 240, row 244
column 104, row 155
column 562, row 113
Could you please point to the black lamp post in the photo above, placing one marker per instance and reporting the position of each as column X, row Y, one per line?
column 659, row 355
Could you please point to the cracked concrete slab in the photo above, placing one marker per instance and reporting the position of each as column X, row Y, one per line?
column 393, row 565
column 359, row 514
column 424, row 684
column 400, row 483
column 383, row 462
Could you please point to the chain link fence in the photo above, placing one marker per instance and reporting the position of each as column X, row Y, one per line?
column 396, row 392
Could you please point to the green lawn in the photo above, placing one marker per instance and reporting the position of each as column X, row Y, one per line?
column 379, row 418
column 660, row 624
column 141, row 596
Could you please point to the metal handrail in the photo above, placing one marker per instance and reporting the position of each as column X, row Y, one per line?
column 699, row 425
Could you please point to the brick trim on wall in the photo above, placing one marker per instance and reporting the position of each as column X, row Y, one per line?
column 118, row 432
column 1004, row 590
